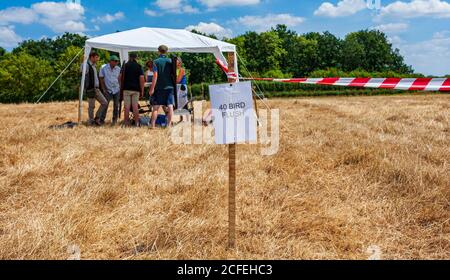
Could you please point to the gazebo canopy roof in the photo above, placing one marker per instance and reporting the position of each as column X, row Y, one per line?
column 148, row 39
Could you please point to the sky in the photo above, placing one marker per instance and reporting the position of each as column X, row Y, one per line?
column 419, row 28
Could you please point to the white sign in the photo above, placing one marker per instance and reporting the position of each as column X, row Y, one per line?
column 234, row 116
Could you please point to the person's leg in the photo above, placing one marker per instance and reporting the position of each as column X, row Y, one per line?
column 116, row 105
column 103, row 105
column 135, row 102
column 127, row 105
column 170, row 105
column 155, row 110
column 108, row 98
column 169, row 115
column 91, row 108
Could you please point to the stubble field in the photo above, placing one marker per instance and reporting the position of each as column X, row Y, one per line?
column 350, row 173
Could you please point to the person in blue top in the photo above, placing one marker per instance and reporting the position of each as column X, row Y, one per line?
column 182, row 81
column 110, row 85
column 162, row 89
column 181, row 73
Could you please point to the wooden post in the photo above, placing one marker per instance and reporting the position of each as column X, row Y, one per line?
column 231, row 175
column 232, row 196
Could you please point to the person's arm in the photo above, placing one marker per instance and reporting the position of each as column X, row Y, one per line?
column 119, row 77
column 142, row 81
column 103, row 85
column 180, row 76
column 154, row 80
column 101, row 78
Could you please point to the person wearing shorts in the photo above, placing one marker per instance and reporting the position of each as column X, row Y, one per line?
column 162, row 90
column 133, row 88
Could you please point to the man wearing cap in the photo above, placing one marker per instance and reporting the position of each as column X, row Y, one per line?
column 109, row 82
column 162, row 89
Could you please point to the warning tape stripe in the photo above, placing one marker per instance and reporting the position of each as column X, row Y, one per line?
column 418, row 84
column 445, row 85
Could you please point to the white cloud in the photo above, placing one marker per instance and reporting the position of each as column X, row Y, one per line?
column 108, row 18
column 150, row 13
column 211, row 28
column 428, row 57
column 262, row 23
column 217, row 3
column 395, row 40
column 441, row 34
column 61, row 17
column 169, row 5
column 58, row 16
column 68, row 26
column 17, row 15
column 417, row 8
column 174, row 6
column 8, row 37
column 392, row 27
column 342, row 9
column 189, row 10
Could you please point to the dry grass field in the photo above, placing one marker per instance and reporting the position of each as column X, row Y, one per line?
column 351, row 172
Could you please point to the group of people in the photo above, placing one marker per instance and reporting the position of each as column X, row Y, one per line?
column 114, row 83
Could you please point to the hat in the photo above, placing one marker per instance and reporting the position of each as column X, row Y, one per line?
column 114, row 58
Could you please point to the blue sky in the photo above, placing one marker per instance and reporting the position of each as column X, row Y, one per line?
column 419, row 28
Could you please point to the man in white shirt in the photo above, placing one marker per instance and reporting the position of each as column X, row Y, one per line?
column 110, row 85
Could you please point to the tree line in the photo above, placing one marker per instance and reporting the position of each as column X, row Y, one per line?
column 27, row 71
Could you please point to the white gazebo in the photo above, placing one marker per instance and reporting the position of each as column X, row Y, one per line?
column 149, row 39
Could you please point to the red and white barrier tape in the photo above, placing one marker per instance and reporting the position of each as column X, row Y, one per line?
column 423, row 84
column 230, row 75
column 426, row 84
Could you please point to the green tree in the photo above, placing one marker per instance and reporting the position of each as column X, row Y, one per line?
column 370, row 50
column 67, row 86
column 398, row 63
column 280, row 53
column 262, row 51
column 23, row 77
column 289, row 63
column 202, row 67
column 353, row 54
column 60, row 44
column 301, row 53
column 308, row 52
column 328, row 49
column 304, row 56
column 50, row 49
